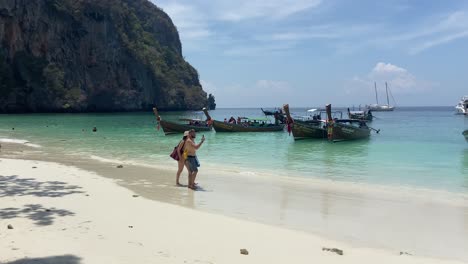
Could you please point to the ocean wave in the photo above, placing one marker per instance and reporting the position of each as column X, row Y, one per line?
column 106, row 160
column 20, row 141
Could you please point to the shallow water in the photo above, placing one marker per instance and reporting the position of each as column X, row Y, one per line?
column 417, row 147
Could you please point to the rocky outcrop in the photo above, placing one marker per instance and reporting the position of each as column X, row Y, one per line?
column 87, row 55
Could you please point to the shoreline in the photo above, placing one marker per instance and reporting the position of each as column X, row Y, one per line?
column 18, row 148
column 75, row 212
column 399, row 221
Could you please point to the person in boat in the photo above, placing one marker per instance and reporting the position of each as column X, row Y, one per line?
column 181, row 161
column 225, row 120
column 232, row 120
column 192, row 163
column 239, row 120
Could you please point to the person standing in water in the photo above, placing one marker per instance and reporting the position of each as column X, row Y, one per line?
column 181, row 161
column 192, row 162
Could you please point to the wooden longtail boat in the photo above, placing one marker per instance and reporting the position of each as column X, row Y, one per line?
column 345, row 129
column 305, row 129
column 277, row 113
column 247, row 125
column 269, row 112
column 175, row 128
column 365, row 115
column 465, row 134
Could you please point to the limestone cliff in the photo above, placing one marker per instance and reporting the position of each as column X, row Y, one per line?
column 88, row 55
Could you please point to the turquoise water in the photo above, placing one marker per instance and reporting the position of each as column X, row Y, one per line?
column 417, row 147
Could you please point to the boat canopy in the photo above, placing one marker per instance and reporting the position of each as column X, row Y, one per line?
column 191, row 119
column 357, row 112
column 256, row 118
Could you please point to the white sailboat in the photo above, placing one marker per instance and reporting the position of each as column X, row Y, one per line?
column 381, row 108
column 462, row 107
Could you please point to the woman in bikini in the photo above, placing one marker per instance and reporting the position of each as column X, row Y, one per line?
column 181, row 161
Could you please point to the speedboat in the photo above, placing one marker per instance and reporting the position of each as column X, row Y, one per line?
column 462, row 107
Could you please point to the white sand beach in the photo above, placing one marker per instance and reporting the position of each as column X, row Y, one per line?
column 62, row 214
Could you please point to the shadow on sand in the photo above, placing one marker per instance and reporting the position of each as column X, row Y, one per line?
column 11, row 186
column 14, row 186
column 39, row 214
column 66, row 259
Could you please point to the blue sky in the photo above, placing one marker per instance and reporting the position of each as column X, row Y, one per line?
column 253, row 53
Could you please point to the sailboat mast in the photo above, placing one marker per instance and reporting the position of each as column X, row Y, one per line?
column 376, row 97
column 386, row 90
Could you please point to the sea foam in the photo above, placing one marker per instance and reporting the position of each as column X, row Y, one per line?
column 19, row 141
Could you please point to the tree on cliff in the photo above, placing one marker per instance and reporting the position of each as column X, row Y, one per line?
column 88, row 55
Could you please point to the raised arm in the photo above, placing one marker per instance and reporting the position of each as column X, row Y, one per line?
column 197, row 146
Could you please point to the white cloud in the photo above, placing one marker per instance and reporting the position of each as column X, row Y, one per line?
column 236, row 11
column 438, row 30
column 256, row 49
column 399, row 79
column 188, row 19
column 439, row 41
column 203, row 23
column 387, row 68
column 271, row 86
column 208, row 87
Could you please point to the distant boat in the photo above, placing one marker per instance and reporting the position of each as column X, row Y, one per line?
column 277, row 113
column 345, row 129
column 305, row 128
column 465, row 134
column 365, row 115
column 381, row 108
column 462, row 106
column 244, row 124
column 176, row 128
column 270, row 112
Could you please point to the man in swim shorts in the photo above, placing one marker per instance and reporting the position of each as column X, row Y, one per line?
column 192, row 161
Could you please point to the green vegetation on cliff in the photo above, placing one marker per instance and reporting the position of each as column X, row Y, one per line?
column 87, row 55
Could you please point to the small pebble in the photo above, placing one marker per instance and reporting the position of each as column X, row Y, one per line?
column 244, row 251
column 135, row 195
column 405, row 253
column 47, row 210
column 34, row 167
column 120, row 166
column 130, row 226
column 10, row 227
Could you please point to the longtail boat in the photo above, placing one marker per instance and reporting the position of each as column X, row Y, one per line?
column 270, row 112
column 345, row 129
column 245, row 125
column 175, row 128
column 365, row 115
column 465, row 134
column 277, row 113
column 302, row 129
